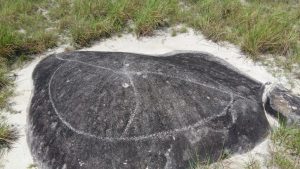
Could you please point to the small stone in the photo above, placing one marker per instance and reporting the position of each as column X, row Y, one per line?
column 282, row 104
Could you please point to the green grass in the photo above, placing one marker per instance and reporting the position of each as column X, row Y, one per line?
column 22, row 29
column 252, row 164
column 22, row 32
column 286, row 141
column 5, row 84
column 289, row 137
column 87, row 21
column 208, row 163
column 258, row 27
column 8, row 135
column 175, row 31
column 282, row 161
column 32, row 26
column 32, row 166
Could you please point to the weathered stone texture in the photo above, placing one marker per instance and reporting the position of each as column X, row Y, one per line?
column 107, row 110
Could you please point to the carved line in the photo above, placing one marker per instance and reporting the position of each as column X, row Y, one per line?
column 101, row 67
column 158, row 135
column 192, row 81
column 103, row 84
column 148, row 72
column 137, row 100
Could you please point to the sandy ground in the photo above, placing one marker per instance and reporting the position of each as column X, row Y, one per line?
column 19, row 157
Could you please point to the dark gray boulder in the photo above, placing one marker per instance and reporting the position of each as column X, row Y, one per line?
column 282, row 104
column 97, row 110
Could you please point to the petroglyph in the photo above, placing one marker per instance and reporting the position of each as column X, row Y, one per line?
column 124, row 110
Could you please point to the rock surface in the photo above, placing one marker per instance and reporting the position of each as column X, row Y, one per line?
column 96, row 110
column 282, row 104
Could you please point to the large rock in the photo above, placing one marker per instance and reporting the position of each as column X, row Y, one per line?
column 283, row 104
column 97, row 110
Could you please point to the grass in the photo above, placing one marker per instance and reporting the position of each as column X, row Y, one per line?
column 282, row 161
column 7, row 136
column 87, row 21
column 22, row 29
column 286, row 141
column 175, row 31
column 21, row 34
column 32, row 166
column 208, row 163
column 259, row 27
column 252, row 164
column 289, row 137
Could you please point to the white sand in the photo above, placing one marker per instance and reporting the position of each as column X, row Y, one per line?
column 19, row 157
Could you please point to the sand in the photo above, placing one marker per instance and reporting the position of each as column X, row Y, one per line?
column 19, row 157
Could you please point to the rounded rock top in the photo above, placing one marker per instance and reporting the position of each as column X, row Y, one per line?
column 125, row 110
